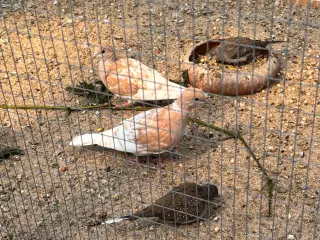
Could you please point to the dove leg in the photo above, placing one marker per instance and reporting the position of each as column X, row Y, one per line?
column 150, row 161
column 154, row 161
column 161, row 163
column 134, row 159
column 140, row 161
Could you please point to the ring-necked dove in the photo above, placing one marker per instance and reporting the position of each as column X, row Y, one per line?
column 132, row 80
column 187, row 203
column 150, row 132
column 227, row 50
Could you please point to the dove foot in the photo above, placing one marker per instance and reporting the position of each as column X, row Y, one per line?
column 156, row 162
column 126, row 104
column 135, row 159
column 153, row 162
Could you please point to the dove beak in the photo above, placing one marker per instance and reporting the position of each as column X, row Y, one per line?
column 201, row 101
column 207, row 96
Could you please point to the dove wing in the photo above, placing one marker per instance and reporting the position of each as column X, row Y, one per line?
column 132, row 79
column 156, row 130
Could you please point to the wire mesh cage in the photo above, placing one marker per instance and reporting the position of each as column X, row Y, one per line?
column 103, row 135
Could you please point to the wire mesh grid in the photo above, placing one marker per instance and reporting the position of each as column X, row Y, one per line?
column 54, row 191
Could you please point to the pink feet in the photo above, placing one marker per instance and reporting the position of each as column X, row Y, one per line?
column 154, row 162
column 121, row 105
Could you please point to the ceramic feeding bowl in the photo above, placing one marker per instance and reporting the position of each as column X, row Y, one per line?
column 225, row 79
column 313, row 3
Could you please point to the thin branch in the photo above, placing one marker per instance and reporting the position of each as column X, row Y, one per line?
column 66, row 108
column 264, row 171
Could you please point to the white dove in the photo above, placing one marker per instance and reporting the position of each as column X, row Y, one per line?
column 150, row 132
column 132, row 80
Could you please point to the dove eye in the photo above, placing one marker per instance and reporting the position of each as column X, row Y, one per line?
column 197, row 99
column 103, row 51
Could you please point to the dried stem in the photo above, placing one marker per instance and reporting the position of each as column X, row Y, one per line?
column 233, row 134
column 71, row 109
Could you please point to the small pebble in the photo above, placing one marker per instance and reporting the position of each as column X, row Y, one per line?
column 5, row 209
column 116, row 197
column 16, row 158
column 290, row 237
column 58, row 152
column 282, row 188
column 64, row 169
column 100, row 129
column 216, row 229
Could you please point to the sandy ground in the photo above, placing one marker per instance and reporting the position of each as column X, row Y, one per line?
column 51, row 191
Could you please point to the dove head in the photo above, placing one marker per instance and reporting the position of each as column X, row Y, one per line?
column 189, row 98
column 209, row 191
column 105, row 51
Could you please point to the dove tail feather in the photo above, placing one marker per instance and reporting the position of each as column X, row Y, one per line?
column 82, row 140
column 275, row 41
column 103, row 139
column 115, row 220
column 175, row 86
column 267, row 42
column 174, row 91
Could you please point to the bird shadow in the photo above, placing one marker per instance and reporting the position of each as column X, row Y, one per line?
column 97, row 93
column 8, row 144
column 93, row 92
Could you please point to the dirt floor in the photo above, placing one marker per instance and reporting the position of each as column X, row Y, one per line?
column 52, row 190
